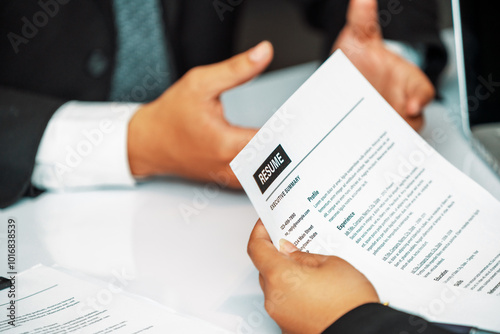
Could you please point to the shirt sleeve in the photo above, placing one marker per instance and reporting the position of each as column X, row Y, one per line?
column 85, row 146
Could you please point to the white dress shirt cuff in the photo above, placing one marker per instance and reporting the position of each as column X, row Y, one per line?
column 85, row 145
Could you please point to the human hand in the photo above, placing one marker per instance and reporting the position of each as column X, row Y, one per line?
column 402, row 84
column 184, row 131
column 306, row 293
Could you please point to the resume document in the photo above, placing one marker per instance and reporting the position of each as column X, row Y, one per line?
column 337, row 171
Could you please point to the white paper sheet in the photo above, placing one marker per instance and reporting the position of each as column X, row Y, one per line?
column 337, row 171
column 49, row 301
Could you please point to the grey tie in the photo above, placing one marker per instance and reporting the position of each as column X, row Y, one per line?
column 142, row 70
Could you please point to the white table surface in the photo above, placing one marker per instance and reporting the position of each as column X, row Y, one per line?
column 197, row 265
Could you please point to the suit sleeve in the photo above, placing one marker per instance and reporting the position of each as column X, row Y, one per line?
column 380, row 319
column 23, row 119
column 415, row 23
column 44, row 64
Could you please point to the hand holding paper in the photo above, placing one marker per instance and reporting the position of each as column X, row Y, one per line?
column 306, row 293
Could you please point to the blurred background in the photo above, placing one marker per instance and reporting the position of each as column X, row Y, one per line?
column 294, row 40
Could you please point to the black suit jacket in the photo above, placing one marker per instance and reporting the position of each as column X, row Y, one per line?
column 482, row 55
column 380, row 319
column 52, row 51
